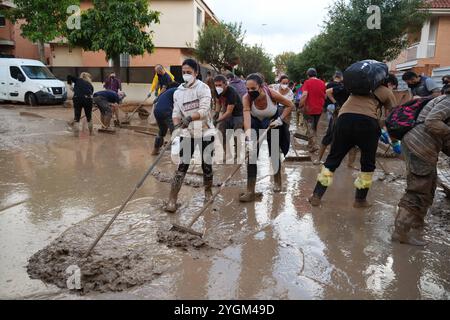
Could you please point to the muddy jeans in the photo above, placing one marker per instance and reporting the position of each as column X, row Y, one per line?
column 188, row 146
column 421, row 184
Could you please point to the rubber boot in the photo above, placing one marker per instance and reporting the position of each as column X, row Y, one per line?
column 278, row 182
column 250, row 195
column 208, row 182
column 76, row 129
column 312, row 146
column 403, row 225
column 322, row 150
column 159, row 141
column 316, row 199
column 361, row 199
column 177, row 182
column 91, row 128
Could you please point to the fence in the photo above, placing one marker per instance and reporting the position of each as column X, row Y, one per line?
column 439, row 73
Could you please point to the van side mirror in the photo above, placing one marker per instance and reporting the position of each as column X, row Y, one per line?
column 21, row 77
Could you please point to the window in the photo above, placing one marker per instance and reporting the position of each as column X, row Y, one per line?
column 15, row 71
column 125, row 60
column 199, row 17
column 37, row 72
column 2, row 21
column 431, row 49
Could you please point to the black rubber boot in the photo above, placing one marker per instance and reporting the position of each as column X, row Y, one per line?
column 208, row 182
column 250, row 195
column 403, row 225
column 361, row 199
column 316, row 198
column 278, row 182
column 159, row 142
column 177, row 182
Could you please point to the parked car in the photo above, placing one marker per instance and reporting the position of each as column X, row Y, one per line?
column 31, row 82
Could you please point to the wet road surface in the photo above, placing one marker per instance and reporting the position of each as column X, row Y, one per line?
column 56, row 186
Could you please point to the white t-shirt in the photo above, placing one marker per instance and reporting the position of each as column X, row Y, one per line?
column 289, row 95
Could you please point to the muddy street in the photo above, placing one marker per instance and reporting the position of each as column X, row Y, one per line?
column 58, row 192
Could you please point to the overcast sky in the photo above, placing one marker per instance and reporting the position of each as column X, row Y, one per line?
column 290, row 23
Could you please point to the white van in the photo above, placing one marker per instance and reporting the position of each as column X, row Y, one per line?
column 29, row 81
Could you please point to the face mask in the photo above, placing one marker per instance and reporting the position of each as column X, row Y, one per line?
column 219, row 90
column 188, row 78
column 284, row 86
column 254, row 94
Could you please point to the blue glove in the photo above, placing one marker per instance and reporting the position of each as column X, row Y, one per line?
column 384, row 137
column 397, row 147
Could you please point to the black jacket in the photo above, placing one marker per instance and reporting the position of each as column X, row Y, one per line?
column 82, row 88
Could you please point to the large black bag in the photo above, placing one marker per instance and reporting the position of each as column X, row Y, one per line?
column 364, row 77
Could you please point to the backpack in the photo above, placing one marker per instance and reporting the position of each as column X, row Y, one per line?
column 364, row 77
column 404, row 118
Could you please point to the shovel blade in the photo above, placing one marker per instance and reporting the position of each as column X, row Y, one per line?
column 182, row 229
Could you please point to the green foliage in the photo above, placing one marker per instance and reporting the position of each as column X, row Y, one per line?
column 281, row 61
column 116, row 26
column 44, row 20
column 345, row 37
column 219, row 44
column 254, row 59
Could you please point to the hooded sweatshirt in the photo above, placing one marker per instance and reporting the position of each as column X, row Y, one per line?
column 189, row 100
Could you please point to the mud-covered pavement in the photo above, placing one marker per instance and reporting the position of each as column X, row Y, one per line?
column 56, row 190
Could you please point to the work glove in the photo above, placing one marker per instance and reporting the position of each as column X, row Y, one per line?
column 276, row 123
column 384, row 137
column 186, row 122
column 397, row 147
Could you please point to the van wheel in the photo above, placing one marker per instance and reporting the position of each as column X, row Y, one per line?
column 31, row 100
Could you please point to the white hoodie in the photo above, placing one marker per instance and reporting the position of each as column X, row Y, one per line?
column 188, row 101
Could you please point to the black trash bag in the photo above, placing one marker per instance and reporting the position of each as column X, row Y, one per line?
column 364, row 77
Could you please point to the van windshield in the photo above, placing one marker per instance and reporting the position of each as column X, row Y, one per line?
column 38, row 73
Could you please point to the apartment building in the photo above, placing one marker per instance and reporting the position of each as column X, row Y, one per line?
column 430, row 48
column 180, row 22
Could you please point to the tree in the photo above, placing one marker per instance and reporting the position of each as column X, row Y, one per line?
column 43, row 20
column 116, row 27
column 219, row 44
column 281, row 61
column 255, row 59
column 314, row 55
column 346, row 37
column 351, row 39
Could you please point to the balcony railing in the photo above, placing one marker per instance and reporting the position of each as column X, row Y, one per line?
column 411, row 52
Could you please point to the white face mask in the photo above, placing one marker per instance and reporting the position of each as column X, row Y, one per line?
column 188, row 78
column 284, row 86
column 219, row 90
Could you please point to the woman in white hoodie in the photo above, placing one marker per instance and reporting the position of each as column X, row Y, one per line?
column 192, row 106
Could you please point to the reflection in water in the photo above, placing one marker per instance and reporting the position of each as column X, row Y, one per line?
column 279, row 248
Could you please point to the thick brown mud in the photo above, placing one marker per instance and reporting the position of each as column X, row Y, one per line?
column 57, row 193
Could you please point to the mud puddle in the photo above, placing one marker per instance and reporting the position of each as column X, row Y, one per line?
column 138, row 249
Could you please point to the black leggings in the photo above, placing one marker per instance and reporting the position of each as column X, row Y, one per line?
column 189, row 145
column 252, row 169
column 80, row 103
column 355, row 130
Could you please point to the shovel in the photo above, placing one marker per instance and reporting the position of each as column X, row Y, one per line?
column 188, row 228
column 128, row 120
column 138, row 186
column 297, row 157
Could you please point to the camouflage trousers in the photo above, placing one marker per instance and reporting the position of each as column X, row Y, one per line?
column 421, row 184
